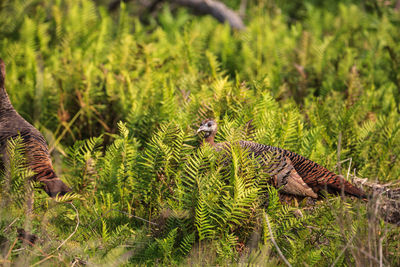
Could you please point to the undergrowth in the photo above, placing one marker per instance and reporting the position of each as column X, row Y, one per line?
column 119, row 101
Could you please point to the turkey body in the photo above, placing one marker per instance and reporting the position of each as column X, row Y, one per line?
column 293, row 173
column 37, row 155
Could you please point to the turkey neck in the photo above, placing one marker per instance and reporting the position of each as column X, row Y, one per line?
column 5, row 103
column 210, row 139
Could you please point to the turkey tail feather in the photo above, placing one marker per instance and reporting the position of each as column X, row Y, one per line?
column 318, row 177
column 312, row 174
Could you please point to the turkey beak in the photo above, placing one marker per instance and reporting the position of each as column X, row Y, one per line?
column 201, row 129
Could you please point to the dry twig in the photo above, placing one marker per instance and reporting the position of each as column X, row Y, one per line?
column 76, row 228
column 275, row 244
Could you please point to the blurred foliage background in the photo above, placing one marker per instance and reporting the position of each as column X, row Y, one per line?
column 119, row 93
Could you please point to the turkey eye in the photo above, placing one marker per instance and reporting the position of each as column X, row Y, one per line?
column 209, row 124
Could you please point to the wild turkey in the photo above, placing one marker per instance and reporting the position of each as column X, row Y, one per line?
column 13, row 125
column 293, row 173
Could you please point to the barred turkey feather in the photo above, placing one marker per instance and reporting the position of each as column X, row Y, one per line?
column 293, row 173
column 36, row 151
column 312, row 174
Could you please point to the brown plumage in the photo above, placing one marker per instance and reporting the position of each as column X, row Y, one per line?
column 13, row 125
column 293, row 173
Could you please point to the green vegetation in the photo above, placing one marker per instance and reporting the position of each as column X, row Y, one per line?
column 119, row 100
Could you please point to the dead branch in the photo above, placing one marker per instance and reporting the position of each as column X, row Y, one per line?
column 387, row 196
column 389, row 189
column 211, row 7
column 214, row 8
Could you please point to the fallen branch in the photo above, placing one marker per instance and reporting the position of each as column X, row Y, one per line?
column 216, row 9
column 211, row 7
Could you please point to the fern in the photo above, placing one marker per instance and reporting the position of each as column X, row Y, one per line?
column 187, row 243
column 301, row 75
column 82, row 160
column 203, row 221
column 16, row 174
